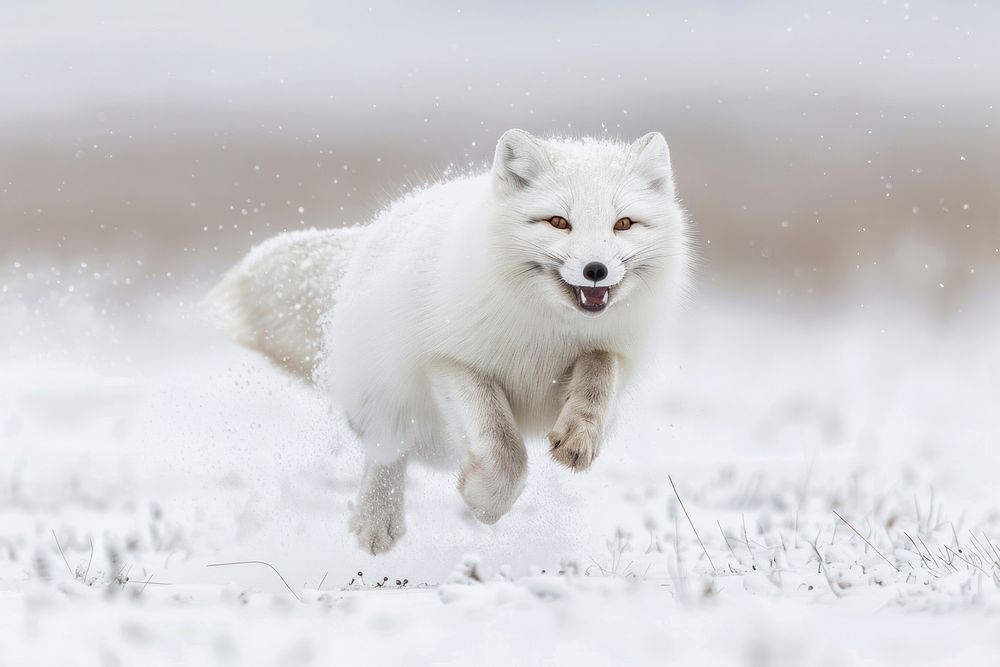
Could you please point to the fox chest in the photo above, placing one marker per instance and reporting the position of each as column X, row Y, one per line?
column 534, row 379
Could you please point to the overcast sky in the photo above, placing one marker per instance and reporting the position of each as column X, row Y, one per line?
column 60, row 57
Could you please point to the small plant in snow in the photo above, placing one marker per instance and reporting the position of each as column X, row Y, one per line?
column 467, row 571
column 617, row 565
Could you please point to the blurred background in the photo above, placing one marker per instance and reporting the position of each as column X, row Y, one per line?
column 823, row 149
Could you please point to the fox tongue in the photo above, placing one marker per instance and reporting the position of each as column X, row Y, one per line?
column 593, row 296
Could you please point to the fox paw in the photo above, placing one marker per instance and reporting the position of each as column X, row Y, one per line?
column 489, row 495
column 576, row 439
column 377, row 527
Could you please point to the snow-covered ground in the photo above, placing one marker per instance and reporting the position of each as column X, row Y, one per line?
column 838, row 467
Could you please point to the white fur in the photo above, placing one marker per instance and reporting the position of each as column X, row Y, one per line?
column 468, row 274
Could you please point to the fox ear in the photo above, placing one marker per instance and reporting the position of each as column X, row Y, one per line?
column 651, row 160
column 519, row 160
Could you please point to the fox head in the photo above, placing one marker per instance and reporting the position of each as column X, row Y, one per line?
column 588, row 225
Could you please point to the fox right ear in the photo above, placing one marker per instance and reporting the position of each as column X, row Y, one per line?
column 519, row 160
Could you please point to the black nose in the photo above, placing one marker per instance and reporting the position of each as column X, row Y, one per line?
column 595, row 272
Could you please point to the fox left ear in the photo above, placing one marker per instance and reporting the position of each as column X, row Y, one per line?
column 519, row 160
column 651, row 160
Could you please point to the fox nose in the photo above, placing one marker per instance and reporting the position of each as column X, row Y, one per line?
column 595, row 272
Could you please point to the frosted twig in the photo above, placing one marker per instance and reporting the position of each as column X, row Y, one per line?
column 826, row 574
column 59, row 546
column 691, row 522
column 746, row 538
column 89, row 560
column 926, row 560
column 260, row 562
column 731, row 550
column 866, row 540
column 964, row 559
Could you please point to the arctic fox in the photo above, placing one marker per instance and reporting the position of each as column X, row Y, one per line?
column 474, row 312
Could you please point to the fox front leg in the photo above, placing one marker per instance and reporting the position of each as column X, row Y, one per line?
column 478, row 417
column 576, row 439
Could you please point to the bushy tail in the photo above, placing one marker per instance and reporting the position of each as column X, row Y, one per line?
column 274, row 300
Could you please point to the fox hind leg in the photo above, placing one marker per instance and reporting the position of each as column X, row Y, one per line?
column 378, row 519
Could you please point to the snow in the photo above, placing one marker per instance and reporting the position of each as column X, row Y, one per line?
column 172, row 450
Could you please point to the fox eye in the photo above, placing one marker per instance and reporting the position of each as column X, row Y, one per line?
column 622, row 224
column 559, row 222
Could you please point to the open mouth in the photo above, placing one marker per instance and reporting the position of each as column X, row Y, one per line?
column 588, row 299
column 592, row 299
